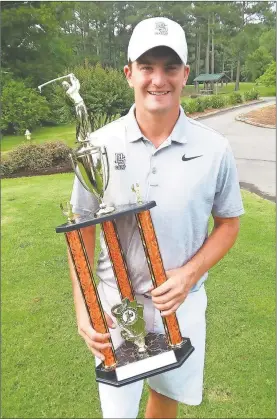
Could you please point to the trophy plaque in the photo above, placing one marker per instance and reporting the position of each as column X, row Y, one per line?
column 142, row 354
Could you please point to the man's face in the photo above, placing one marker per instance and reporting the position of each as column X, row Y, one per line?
column 157, row 77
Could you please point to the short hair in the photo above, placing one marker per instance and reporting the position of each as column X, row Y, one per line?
column 158, row 52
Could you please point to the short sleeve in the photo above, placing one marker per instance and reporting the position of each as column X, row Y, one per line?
column 227, row 200
column 83, row 202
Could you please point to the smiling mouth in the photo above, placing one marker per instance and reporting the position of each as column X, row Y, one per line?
column 158, row 93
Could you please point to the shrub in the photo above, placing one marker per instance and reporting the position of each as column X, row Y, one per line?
column 104, row 90
column 197, row 105
column 217, row 101
column 235, row 98
column 200, row 104
column 99, row 120
column 269, row 76
column 206, row 101
column 35, row 157
column 22, row 107
column 251, row 94
column 190, row 106
column 62, row 111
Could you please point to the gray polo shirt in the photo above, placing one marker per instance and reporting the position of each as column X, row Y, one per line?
column 186, row 190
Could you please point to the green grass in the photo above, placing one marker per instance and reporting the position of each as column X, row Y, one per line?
column 40, row 135
column 263, row 90
column 47, row 371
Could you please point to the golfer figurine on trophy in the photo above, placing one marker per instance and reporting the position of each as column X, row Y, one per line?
column 142, row 353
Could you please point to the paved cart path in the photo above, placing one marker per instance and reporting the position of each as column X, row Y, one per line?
column 254, row 149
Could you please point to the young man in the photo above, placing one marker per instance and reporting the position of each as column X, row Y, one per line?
column 189, row 170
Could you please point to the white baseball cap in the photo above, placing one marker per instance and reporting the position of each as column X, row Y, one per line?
column 155, row 32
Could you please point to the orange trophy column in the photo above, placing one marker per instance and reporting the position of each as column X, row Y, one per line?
column 156, row 268
column 89, row 290
column 117, row 260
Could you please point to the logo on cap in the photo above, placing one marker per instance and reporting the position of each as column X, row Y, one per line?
column 161, row 28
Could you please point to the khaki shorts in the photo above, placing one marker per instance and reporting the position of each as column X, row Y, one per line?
column 184, row 384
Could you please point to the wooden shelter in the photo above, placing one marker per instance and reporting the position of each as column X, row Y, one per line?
column 210, row 82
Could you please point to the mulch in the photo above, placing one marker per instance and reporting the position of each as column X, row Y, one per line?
column 48, row 171
column 264, row 117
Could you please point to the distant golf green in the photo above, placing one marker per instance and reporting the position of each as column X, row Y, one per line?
column 47, row 370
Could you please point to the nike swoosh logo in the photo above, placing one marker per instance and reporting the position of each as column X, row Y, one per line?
column 184, row 158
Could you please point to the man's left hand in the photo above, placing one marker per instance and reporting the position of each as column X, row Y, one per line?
column 170, row 295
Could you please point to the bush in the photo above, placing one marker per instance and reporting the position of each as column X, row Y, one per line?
column 99, row 120
column 104, row 90
column 190, row 106
column 36, row 157
column 217, row 101
column 235, row 98
column 62, row 110
column 22, row 107
column 269, row 76
column 197, row 105
column 200, row 104
column 206, row 101
column 251, row 94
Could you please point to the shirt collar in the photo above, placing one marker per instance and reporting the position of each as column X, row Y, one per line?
column 177, row 135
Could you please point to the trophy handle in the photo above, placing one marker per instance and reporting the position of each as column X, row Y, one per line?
column 106, row 166
column 74, row 165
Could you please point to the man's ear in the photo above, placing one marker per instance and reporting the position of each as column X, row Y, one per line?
column 128, row 75
column 186, row 74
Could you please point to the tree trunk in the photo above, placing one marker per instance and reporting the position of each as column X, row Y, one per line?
column 213, row 46
column 197, row 55
column 223, row 63
column 207, row 66
column 237, row 75
column 110, row 45
column 97, row 40
column 232, row 72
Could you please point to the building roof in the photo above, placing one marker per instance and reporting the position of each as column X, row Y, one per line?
column 210, row 77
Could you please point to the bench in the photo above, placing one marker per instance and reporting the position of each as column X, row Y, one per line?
column 206, row 91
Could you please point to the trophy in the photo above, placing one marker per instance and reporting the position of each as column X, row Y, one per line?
column 142, row 353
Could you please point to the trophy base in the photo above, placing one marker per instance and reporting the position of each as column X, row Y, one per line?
column 132, row 366
column 104, row 211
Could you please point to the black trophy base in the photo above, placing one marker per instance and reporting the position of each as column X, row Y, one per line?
column 132, row 366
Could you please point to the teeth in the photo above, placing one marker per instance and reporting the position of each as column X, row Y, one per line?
column 158, row 93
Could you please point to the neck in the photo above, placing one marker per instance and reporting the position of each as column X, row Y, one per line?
column 156, row 127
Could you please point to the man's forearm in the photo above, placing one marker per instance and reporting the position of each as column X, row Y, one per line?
column 215, row 248
column 168, row 296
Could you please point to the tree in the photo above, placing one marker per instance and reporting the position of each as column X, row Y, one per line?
column 33, row 44
column 268, row 41
column 269, row 77
column 22, row 107
column 257, row 62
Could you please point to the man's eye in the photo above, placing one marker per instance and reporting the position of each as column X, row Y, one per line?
column 171, row 67
column 146, row 67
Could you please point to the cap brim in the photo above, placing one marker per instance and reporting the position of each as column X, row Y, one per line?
column 142, row 51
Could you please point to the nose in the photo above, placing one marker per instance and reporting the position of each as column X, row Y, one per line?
column 158, row 78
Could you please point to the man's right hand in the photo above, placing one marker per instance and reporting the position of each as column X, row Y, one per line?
column 95, row 341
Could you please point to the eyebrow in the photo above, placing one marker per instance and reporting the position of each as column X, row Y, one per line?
column 170, row 61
